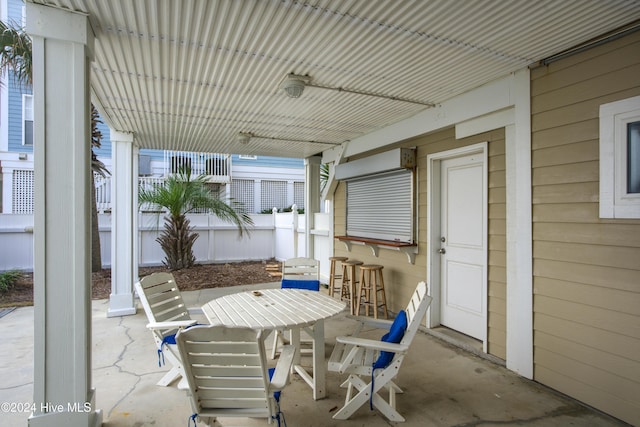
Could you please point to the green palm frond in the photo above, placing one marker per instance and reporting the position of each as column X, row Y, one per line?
column 15, row 52
column 96, row 141
column 182, row 193
column 324, row 175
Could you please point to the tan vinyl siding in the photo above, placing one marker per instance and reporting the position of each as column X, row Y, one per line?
column 586, row 270
column 400, row 276
column 497, row 265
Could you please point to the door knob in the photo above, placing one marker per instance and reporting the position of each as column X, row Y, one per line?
column 442, row 251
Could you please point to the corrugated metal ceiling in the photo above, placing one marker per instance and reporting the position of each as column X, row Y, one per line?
column 191, row 74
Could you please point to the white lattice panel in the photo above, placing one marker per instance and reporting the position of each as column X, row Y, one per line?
column 273, row 194
column 22, row 191
column 298, row 194
column 242, row 191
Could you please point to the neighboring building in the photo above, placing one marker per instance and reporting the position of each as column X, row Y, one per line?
column 259, row 183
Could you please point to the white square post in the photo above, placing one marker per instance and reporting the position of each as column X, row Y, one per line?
column 124, row 224
column 62, row 49
column 311, row 200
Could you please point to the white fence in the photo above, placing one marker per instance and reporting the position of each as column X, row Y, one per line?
column 278, row 235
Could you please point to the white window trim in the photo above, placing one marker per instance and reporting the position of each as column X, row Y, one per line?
column 615, row 202
column 25, row 97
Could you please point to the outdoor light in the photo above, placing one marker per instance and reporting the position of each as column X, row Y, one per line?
column 243, row 137
column 294, row 85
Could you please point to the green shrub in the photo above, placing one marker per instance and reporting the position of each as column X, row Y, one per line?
column 8, row 279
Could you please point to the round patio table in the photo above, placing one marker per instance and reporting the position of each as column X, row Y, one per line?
column 282, row 309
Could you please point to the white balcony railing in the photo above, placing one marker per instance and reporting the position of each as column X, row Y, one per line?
column 216, row 166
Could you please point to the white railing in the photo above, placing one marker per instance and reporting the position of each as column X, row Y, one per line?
column 216, row 166
column 147, row 183
column 103, row 192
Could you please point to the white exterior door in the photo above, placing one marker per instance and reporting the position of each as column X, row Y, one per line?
column 462, row 245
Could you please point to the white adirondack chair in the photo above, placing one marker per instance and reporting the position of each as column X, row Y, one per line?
column 356, row 356
column 297, row 273
column 227, row 373
column 167, row 314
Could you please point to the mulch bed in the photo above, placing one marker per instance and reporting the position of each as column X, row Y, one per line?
column 201, row 276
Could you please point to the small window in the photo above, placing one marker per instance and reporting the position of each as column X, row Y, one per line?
column 27, row 119
column 620, row 159
column 633, row 158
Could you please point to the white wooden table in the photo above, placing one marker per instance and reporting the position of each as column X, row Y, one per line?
column 283, row 309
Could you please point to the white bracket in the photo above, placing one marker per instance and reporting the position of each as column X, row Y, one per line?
column 409, row 251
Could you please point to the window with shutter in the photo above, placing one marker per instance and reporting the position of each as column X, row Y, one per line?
column 381, row 206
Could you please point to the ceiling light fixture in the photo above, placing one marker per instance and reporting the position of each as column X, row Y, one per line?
column 245, row 137
column 294, row 85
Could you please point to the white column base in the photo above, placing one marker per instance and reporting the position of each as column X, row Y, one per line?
column 67, row 419
column 68, row 414
column 121, row 305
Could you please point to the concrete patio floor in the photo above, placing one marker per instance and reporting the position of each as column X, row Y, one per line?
column 443, row 385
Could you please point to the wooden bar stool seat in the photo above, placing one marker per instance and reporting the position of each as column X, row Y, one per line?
column 333, row 276
column 371, row 285
column 350, row 282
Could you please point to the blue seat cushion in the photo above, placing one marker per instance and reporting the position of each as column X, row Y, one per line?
column 395, row 334
column 169, row 339
column 311, row 285
column 276, row 395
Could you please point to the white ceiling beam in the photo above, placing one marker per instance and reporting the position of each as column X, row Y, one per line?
column 486, row 99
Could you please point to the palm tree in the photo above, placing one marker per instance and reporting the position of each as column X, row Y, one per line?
column 99, row 168
column 180, row 194
column 16, row 52
column 324, row 175
column 16, row 55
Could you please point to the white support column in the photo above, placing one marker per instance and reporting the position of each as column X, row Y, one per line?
column 517, row 124
column 124, row 214
column 7, row 189
column 135, row 257
column 519, row 232
column 311, row 200
column 62, row 389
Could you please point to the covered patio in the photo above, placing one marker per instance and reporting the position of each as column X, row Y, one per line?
column 208, row 76
column 444, row 385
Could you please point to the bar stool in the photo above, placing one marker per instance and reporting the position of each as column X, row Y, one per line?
column 332, row 274
column 350, row 282
column 371, row 284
